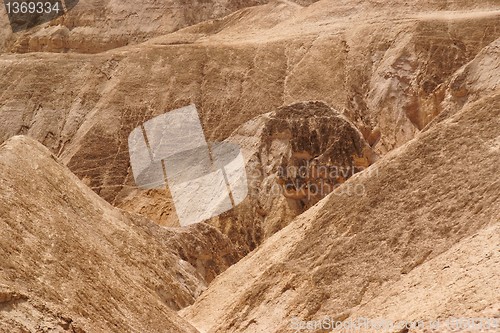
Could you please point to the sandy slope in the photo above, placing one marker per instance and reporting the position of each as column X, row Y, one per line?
column 460, row 283
column 420, row 200
column 71, row 262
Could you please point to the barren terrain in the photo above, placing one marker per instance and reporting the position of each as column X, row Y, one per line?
column 403, row 95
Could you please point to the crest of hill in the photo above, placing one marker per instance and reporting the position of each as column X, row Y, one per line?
column 71, row 262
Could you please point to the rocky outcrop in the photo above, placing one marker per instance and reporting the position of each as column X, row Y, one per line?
column 469, row 83
column 71, row 262
column 295, row 156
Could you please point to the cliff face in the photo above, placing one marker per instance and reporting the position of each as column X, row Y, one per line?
column 296, row 156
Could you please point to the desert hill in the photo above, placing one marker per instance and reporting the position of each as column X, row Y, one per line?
column 295, row 156
column 420, row 201
column 73, row 263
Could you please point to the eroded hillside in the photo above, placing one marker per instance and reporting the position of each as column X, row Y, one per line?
column 401, row 99
column 71, row 262
column 386, row 75
column 350, row 249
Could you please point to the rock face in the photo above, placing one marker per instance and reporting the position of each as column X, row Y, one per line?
column 71, row 262
column 355, row 252
column 295, row 156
